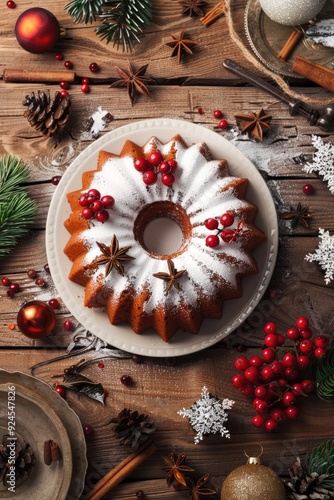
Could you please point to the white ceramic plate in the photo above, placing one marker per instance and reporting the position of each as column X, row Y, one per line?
column 235, row 311
column 42, row 414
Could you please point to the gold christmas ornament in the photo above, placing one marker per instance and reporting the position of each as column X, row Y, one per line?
column 253, row 481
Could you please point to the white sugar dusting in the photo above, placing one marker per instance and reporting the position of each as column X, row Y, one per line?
column 198, row 184
column 97, row 123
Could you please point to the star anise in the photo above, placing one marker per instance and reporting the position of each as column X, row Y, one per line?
column 192, row 7
column 112, row 256
column 255, row 124
column 180, row 45
column 176, row 468
column 198, row 489
column 172, row 277
column 135, row 82
column 299, row 215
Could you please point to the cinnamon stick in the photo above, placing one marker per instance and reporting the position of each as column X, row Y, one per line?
column 121, row 471
column 213, row 14
column 289, row 45
column 317, row 73
column 28, row 75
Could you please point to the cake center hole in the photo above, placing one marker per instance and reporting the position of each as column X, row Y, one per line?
column 163, row 236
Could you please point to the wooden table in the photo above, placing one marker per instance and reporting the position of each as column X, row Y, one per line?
column 162, row 386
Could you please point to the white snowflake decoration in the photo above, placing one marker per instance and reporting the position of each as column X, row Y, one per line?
column 324, row 255
column 207, row 415
column 323, row 161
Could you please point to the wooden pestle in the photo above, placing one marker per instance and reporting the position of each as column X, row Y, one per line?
column 315, row 72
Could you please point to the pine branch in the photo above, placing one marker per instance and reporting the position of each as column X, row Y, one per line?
column 123, row 21
column 321, row 461
column 323, row 372
column 12, row 173
column 84, row 11
column 17, row 210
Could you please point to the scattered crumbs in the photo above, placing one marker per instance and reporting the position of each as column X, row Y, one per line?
column 96, row 123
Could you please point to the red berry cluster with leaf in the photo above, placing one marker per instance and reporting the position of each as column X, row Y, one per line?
column 155, row 165
column 280, row 376
column 95, row 206
column 223, row 228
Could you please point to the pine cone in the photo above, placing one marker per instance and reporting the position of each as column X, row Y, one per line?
column 24, row 459
column 45, row 114
column 304, row 486
column 132, row 429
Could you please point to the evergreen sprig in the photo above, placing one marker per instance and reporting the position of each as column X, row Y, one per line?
column 323, row 371
column 124, row 21
column 17, row 209
column 321, row 461
column 84, row 11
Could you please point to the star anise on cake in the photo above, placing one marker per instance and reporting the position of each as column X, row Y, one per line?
column 172, row 277
column 192, row 7
column 134, row 81
column 112, row 256
column 180, row 45
column 298, row 215
column 176, row 468
column 254, row 124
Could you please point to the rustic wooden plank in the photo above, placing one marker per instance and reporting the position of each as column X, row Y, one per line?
column 213, row 368
column 278, row 155
column 81, row 45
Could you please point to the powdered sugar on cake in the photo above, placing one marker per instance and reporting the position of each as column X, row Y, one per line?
column 203, row 189
column 198, row 188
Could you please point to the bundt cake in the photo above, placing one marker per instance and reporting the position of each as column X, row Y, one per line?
column 110, row 256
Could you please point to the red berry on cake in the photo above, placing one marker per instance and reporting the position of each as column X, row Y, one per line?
column 155, row 158
column 212, row 241
column 164, row 167
column 93, row 194
column 102, row 216
column 83, row 200
column 173, row 165
column 150, row 177
column 140, row 164
column 227, row 235
column 226, row 220
column 167, row 179
column 97, row 206
column 87, row 213
column 211, row 224
column 108, row 201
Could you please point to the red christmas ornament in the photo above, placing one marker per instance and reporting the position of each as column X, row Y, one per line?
column 37, row 30
column 36, row 319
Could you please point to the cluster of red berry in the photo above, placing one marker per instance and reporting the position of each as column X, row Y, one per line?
column 226, row 233
column 154, row 165
column 277, row 378
column 95, row 206
column 13, row 287
column 85, row 83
